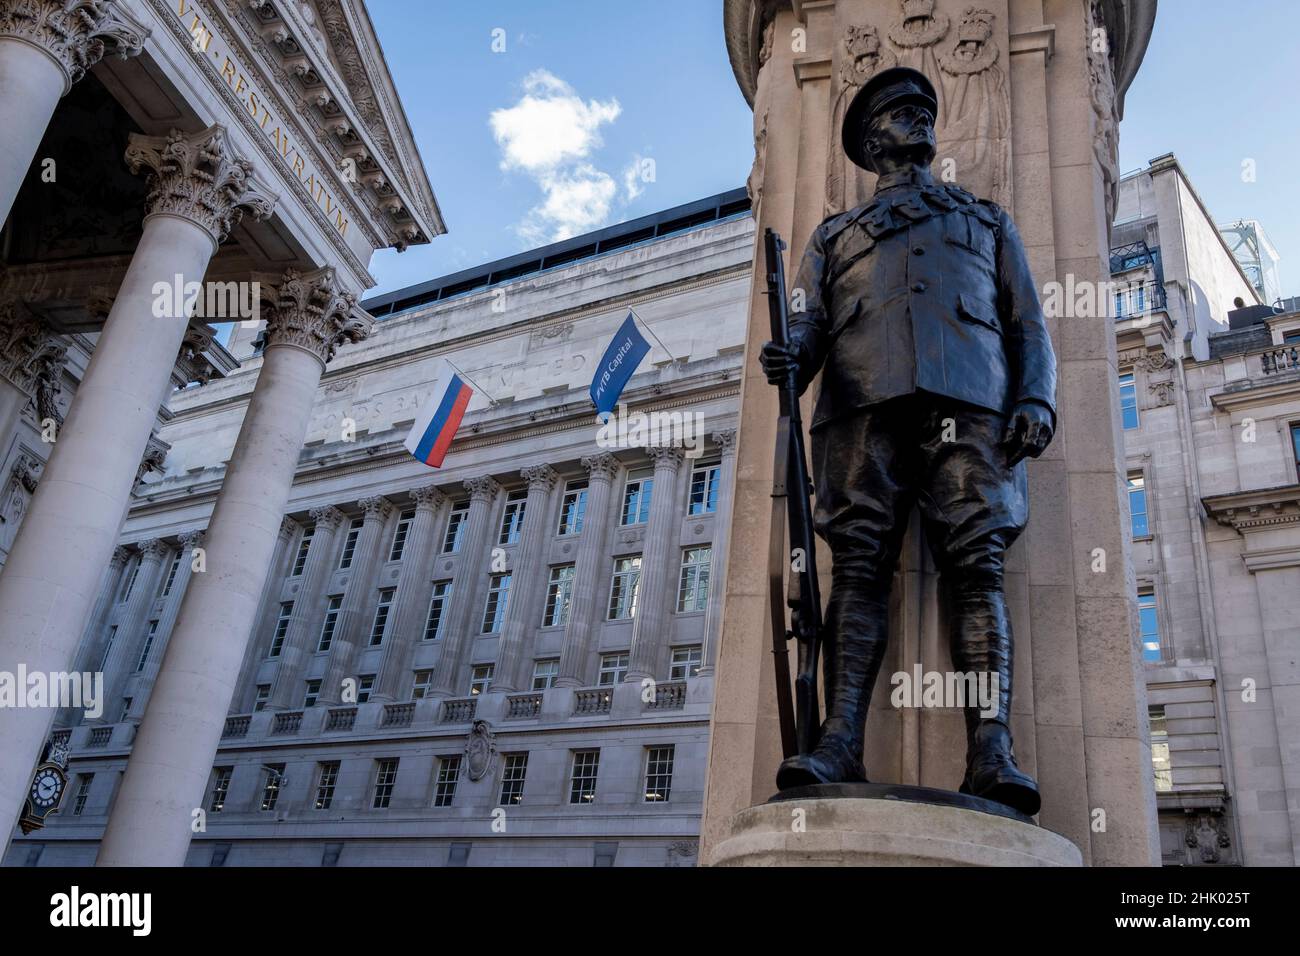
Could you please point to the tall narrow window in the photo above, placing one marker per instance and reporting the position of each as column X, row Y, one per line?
column 437, row 605
column 83, row 793
column 613, row 669
column 381, row 616
column 658, row 774
column 130, row 583
column 148, row 646
column 455, row 528
column 108, row 646
column 300, row 560
column 423, row 680
column 1148, row 624
column 693, row 581
column 1128, row 402
column 559, row 593
column 704, row 490
column 545, row 672
column 1164, row 773
column 313, row 693
column 281, row 628
column 636, row 500
column 1137, row 504
column 512, row 520
column 263, row 697
column 494, row 612
column 331, row 622
column 325, row 784
column 573, row 508
column 481, row 679
column 399, row 536
column 272, row 780
column 171, row 574
column 385, row 780
column 582, row 780
column 220, row 788
column 448, row 776
column 623, row 588
column 350, row 543
column 686, row 662
column 512, row 779
column 365, row 684
column 1295, row 443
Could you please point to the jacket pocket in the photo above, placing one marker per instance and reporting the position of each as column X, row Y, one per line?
column 974, row 309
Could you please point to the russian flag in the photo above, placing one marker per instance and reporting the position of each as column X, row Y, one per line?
column 433, row 431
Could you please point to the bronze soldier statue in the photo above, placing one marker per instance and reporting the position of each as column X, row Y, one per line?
column 938, row 379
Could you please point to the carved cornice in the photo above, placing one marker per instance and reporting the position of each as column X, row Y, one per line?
column 427, row 497
column 483, row 489
column 75, row 33
column 603, row 465
column 315, row 313
column 1262, row 509
column 376, row 508
column 199, row 177
column 539, row 477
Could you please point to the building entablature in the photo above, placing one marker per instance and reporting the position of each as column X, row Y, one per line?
column 1263, row 509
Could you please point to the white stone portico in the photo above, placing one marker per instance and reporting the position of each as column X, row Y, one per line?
column 268, row 146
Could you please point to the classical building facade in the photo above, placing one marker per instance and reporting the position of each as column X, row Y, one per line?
column 248, row 156
column 507, row 660
column 1210, row 404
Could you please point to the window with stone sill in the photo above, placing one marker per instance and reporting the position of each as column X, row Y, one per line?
column 1128, row 401
column 331, row 623
column 693, row 580
column 304, row 545
column 513, row 775
column 659, row 773
column 263, row 697
column 399, row 536
column 545, row 672
column 281, row 628
column 272, row 780
column 703, row 497
column 1295, row 444
column 613, row 669
column 148, row 646
column 365, row 684
column 455, row 528
column 220, row 788
column 382, row 611
column 559, row 595
column 494, row 610
column 385, row 780
column 420, row 689
column 623, row 588
column 171, row 575
column 350, row 543
column 326, row 781
column 444, row 792
column 1160, row 764
column 83, row 793
column 512, row 519
column 573, row 508
column 1137, row 504
column 437, row 605
column 313, row 693
column 686, row 662
column 636, row 500
column 481, row 679
column 582, row 779
column 1149, row 624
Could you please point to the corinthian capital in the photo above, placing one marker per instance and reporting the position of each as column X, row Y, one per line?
column 603, row 465
column 539, row 477
column 199, row 177
column 312, row 311
column 377, row 508
column 75, row 33
column 427, row 496
column 482, row 489
column 666, row 457
column 328, row 517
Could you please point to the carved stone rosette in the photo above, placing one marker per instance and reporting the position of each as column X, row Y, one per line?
column 312, row 311
column 75, row 33
column 199, row 177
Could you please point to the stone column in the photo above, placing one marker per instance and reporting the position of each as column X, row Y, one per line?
column 300, row 636
column 166, row 623
column 198, row 190
column 414, row 592
column 585, row 607
column 45, row 47
column 726, row 440
column 658, row 568
column 132, row 626
column 91, row 648
column 352, row 630
column 461, row 625
column 528, row 580
column 268, row 610
column 173, row 751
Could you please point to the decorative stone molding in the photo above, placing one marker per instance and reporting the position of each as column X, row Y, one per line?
column 192, row 539
column 199, row 177
column 480, row 750
column 75, row 33
column 603, row 465
column 1246, row 511
column 725, row 439
column 1163, row 393
column 482, row 489
column 428, row 497
column 328, row 517
column 1206, row 836
column 152, row 548
column 539, row 477
column 1145, row 359
column 921, row 26
column 666, row 457
column 121, row 555
column 376, row 508
column 313, row 312
column 192, row 365
column 155, row 458
column 288, row 527
column 32, row 357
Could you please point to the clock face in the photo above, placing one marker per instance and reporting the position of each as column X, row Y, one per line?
column 47, row 785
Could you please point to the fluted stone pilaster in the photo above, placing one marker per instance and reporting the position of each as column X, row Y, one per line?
column 189, row 543
column 658, row 567
column 268, row 610
column 528, row 580
column 132, row 627
column 474, row 558
column 726, row 441
column 586, row 604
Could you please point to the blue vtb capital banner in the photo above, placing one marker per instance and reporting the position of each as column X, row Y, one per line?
column 617, row 365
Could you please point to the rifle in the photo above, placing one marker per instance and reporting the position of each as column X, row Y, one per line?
column 791, row 492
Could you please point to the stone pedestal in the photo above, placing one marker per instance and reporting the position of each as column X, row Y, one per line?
column 887, row 831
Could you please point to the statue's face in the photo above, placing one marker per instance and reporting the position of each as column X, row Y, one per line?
column 904, row 133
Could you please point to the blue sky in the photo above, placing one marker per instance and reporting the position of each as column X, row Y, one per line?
column 535, row 142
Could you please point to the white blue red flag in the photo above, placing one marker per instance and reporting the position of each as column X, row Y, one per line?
column 436, row 425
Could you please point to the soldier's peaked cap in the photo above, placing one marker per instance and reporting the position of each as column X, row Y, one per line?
column 887, row 88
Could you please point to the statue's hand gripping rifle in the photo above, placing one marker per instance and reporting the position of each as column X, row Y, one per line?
column 791, row 493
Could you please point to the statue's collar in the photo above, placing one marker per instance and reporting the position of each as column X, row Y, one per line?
column 915, row 177
column 903, row 198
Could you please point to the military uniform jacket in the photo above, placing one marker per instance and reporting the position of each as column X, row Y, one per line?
column 923, row 288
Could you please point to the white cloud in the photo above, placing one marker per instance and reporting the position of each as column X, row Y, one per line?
column 550, row 135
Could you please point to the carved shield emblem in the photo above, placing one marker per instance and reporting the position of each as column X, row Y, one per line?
column 480, row 750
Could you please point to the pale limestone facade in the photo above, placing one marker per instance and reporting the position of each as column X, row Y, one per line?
column 1211, row 452
column 531, row 344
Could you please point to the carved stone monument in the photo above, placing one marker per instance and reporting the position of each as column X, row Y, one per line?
column 1028, row 96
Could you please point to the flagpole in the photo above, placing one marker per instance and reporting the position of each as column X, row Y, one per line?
column 492, row 402
column 646, row 326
